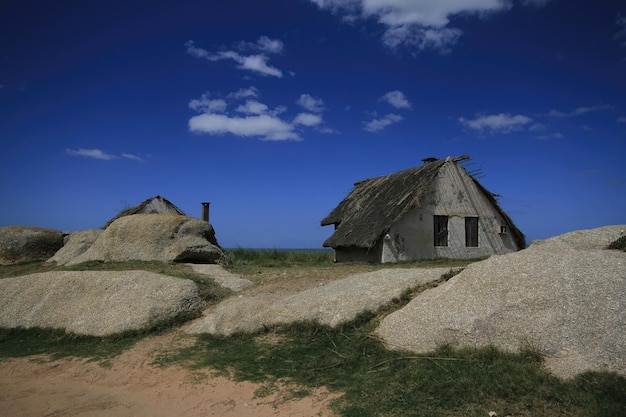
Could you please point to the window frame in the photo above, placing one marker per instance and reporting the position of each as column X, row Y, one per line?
column 472, row 231
column 440, row 231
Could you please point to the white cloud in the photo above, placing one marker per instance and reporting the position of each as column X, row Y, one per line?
column 244, row 93
column 99, row 154
column 397, row 99
column 206, row 104
column 271, row 46
column 91, row 153
column 432, row 13
column 621, row 119
column 195, row 51
column 258, row 119
column 132, row 157
column 253, row 107
column 418, row 24
column 263, row 44
column 307, row 119
column 438, row 39
column 537, row 127
column 497, row 123
column 257, row 63
column 552, row 136
column 377, row 124
column 266, row 126
column 310, row 103
column 576, row 112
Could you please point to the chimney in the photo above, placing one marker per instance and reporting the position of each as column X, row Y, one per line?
column 205, row 211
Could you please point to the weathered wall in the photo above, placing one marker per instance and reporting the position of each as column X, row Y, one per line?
column 454, row 194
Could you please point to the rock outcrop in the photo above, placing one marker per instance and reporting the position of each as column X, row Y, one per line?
column 76, row 243
column 222, row 277
column 332, row 304
column 26, row 243
column 155, row 237
column 565, row 297
column 94, row 303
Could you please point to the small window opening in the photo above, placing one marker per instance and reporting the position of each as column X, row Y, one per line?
column 441, row 230
column 471, row 232
column 503, row 230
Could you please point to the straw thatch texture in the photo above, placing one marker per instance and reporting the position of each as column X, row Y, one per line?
column 376, row 203
column 154, row 205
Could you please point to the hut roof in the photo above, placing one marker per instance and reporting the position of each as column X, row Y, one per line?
column 375, row 204
column 156, row 204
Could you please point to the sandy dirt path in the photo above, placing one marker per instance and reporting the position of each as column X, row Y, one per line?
column 132, row 387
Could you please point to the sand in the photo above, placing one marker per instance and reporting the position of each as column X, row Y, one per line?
column 131, row 386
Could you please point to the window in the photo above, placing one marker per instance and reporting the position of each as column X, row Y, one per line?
column 471, row 232
column 441, row 230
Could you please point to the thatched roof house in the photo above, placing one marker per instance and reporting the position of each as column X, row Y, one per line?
column 152, row 205
column 434, row 210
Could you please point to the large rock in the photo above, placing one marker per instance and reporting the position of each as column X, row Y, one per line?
column 76, row 243
column 95, row 303
column 26, row 243
column 222, row 277
column 565, row 296
column 155, row 237
column 331, row 304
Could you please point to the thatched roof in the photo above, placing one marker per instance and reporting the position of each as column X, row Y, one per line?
column 375, row 204
column 156, row 204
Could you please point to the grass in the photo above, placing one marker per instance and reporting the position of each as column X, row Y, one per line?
column 240, row 257
column 267, row 265
column 56, row 344
column 374, row 381
column 619, row 244
column 379, row 382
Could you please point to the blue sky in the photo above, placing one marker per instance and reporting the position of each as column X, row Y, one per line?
column 272, row 110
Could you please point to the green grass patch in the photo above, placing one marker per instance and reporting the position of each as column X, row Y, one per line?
column 619, row 244
column 379, row 382
column 56, row 344
column 239, row 257
column 25, row 268
column 254, row 261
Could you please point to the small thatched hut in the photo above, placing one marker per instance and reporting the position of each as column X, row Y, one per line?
column 152, row 205
column 434, row 210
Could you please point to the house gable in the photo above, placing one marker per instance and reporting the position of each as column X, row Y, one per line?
column 473, row 223
column 374, row 204
column 392, row 218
